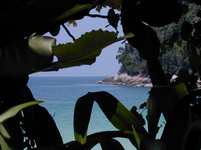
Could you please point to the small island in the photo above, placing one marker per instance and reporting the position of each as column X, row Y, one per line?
column 126, row 80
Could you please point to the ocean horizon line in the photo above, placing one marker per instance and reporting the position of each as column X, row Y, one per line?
column 70, row 76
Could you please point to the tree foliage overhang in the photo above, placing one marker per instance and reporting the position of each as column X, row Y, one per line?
column 22, row 19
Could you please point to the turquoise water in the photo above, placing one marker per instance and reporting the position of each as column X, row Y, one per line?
column 60, row 94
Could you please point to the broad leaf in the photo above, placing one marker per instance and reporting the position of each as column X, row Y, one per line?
column 55, row 31
column 137, row 138
column 113, row 18
column 100, row 137
column 4, row 135
column 14, row 110
column 84, row 50
column 20, row 59
column 3, row 144
column 104, row 138
column 153, row 145
column 111, row 144
column 153, row 115
column 4, row 132
column 73, row 145
column 115, row 112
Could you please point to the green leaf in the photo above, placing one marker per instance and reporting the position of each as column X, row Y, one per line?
column 127, row 36
column 3, row 144
column 84, row 50
column 5, row 116
column 4, row 135
column 115, row 112
column 9, row 114
column 4, row 132
column 14, row 110
column 42, row 45
column 137, row 137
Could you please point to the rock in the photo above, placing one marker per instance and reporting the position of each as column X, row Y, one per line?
column 139, row 80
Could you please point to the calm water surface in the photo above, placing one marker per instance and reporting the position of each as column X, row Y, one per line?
column 60, row 94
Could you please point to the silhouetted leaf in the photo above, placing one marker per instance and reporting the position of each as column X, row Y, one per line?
column 143, row 105
column 145, row 39
column 113, row 18
column 137, row 138
column 15, row 109
column 153, row 115
column 115, row 112
column 103, row 136
column 73, row 145
column 55, row 31
column 111, row 144
column 153, row 145
column 90, row 42
column 85, row 49
column 138, row 116
column 73, row 11
column 9, row 114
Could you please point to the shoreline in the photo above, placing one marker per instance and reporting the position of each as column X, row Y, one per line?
column 126, row 80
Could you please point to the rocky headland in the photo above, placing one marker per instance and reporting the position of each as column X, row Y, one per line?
column 126, row 80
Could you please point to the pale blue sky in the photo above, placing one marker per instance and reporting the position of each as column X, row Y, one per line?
column 105, row 65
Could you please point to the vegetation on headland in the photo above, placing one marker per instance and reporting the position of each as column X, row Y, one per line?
column 174, row 53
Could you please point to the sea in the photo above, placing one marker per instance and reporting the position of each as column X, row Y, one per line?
column 59, row 96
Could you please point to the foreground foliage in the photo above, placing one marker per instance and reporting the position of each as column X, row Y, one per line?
column 29, row 51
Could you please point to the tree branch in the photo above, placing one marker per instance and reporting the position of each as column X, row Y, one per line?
column 68, row 32
column 97, row 16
